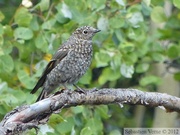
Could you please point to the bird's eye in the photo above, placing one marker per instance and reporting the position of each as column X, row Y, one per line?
column 85, row 32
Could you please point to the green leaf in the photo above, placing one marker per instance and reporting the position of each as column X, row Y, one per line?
column 27, row 81
column 116, row 62
column 146, row 7
column 23, row 17
column 142, row 67
column 157, row 56
column 173, row 51
column 23, row 33
column 34, row 24
column 1, row 16
column 130, row 58
column 95, row 125
column 3, row 87
column 177, row 76
column 97, row 5
column 86, row 131
column 41, row 42
column 127, row 71
column 3, row 107
column 144, row 49
column 48, row 25
column 1, row 51
column 9, row 98
column 7, row 47
column 64, row 14
column 66, row 11
column 128, row 46
column 108, row 75
column 147, row 2
column 61, row 19
column 1, row 30
column 150, row 80
column 102, row 111
column 6, row 63
column 116, row 22
column 44, row 5
column 119, row 35
column 65, row 126
column 102, row 59
column 86, row 79
column 120, row 2
column 55, row 119
column 158, row 15
column 77, row 109
column 176, row 3
column 135, row 19
column 8, row 30
column 103, row 23
column 1, row 43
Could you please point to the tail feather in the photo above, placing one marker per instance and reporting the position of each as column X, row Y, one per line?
column 41, row 81
column 39, row 84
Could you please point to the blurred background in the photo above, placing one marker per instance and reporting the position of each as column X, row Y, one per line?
column 138, row 47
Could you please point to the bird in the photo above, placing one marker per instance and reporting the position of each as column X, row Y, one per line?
column 69, row 63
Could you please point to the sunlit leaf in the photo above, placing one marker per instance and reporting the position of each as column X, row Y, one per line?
column 120, row 2
column 176, row 3
column 127, row 71
column 158, row 15
column 102, row 23
column 135, row 19
column 66, row 11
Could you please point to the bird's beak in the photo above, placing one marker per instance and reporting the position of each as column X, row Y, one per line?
column 96, row 31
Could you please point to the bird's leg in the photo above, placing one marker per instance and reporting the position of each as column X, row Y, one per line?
column 79, row 89
column 65, row 87
column 94, row 89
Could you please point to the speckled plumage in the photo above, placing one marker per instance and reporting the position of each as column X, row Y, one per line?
column 69, row 63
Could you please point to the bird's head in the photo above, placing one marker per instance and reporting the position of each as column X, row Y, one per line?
column 85, row 32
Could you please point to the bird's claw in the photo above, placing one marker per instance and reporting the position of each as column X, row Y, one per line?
column 79, row 90
column 94, row 89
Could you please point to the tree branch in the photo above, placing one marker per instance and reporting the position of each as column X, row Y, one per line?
column 30, row 116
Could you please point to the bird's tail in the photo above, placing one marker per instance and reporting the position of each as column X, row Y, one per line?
column 42, row 95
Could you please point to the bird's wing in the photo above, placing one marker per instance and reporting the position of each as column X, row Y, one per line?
column 58, row 56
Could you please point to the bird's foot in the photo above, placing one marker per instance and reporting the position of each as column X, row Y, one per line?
column 94, row 89
column 79, row 90
column 59, row 91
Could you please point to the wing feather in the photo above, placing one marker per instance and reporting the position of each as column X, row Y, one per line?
column 59, row 55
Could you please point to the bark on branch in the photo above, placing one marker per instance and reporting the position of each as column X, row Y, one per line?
column 30, row 116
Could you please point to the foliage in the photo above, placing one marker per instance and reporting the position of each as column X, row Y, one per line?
column 123, row 53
